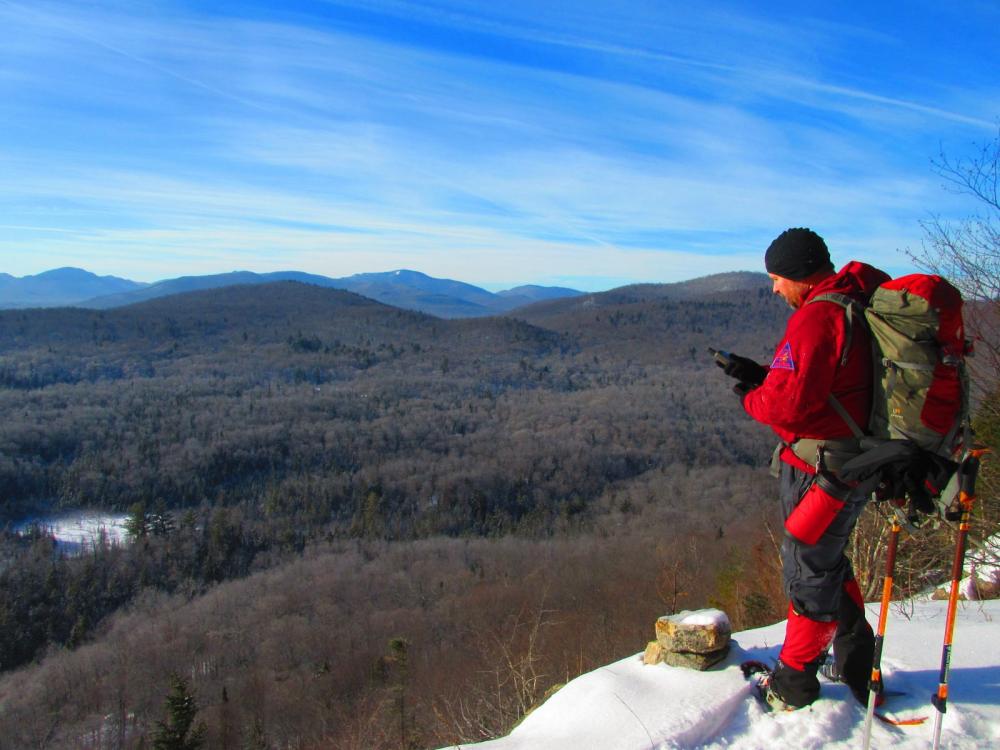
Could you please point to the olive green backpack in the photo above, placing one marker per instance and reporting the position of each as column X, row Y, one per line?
column 921, row 388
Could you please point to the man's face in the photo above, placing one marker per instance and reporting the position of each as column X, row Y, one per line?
column 793, row 292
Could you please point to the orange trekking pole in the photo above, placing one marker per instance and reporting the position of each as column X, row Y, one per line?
column 875, row 683
column 967, row 496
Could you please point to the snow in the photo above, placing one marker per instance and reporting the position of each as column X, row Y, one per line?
column 630, row 706
column 981, row 572
column 75, row 531
column 705, row 618
column 984, row 562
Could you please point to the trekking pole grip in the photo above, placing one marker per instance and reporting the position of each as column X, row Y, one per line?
column 968, row 472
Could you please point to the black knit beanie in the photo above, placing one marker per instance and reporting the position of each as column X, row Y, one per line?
column 797, row 254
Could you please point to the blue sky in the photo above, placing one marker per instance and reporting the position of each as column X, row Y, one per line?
column 587, row 144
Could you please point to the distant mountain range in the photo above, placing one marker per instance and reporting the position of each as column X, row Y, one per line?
column 60, row 288
column 411, row 290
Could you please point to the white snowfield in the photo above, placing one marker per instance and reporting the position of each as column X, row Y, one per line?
column 630, row 706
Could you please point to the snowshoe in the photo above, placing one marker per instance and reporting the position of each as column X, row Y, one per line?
column 892, row 708
column 828, row 669
column 760, row 674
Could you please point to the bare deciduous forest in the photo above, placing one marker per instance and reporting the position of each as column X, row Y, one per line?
column 360, row 527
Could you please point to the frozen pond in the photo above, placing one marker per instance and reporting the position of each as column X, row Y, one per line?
column 76, row 530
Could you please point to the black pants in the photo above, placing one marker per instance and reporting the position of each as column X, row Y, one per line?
column 825, row 602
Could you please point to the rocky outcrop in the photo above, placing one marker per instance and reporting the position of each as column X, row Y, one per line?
column 693, row 639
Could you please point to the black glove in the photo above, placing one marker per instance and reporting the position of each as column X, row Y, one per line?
column 926, row 478
column 902, row 470
column 744, row 369
column 742, row 388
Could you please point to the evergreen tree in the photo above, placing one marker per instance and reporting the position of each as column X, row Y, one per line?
column 161, row 523
column 137, row 525
column 178, row 731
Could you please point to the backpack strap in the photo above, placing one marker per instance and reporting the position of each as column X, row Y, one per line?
column 964, row 424
column 851, row 308
column 839, row 408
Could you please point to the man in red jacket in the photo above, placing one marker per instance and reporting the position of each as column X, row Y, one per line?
column 820, row 355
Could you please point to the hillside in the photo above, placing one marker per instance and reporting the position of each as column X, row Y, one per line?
column 300, row 655
column 731, row 285
column 629, row 706
column 338, row 503
column 733, row 311
column 311, row 412
column 248, row 428
column 528, row 294
column 278, row 326
column 185, row 284
column 253, row 357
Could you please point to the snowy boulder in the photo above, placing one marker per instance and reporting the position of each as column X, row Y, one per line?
column 698, row 632
column 693, row 639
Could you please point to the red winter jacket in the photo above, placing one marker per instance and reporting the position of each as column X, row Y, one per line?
column 806, row 368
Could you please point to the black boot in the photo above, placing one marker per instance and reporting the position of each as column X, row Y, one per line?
column 854, row 649
column 796, row 688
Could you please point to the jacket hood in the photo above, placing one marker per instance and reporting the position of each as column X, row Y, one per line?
column 857, row 280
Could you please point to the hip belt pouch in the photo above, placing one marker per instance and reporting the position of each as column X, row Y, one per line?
column 814, row 513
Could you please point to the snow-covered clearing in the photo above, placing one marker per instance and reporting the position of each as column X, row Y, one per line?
column 630, row 706
column 76, row 531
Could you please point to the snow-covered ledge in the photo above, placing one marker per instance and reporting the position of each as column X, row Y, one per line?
column 630, row 706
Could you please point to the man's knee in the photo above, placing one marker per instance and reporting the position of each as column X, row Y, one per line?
column 814, row 577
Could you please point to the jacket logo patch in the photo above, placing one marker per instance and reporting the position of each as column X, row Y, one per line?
column 783, row 360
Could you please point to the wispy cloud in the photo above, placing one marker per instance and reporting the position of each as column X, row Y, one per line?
column 460, row 138
column 734, row 46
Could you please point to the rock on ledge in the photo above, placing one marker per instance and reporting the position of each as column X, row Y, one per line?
column 694, row 639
